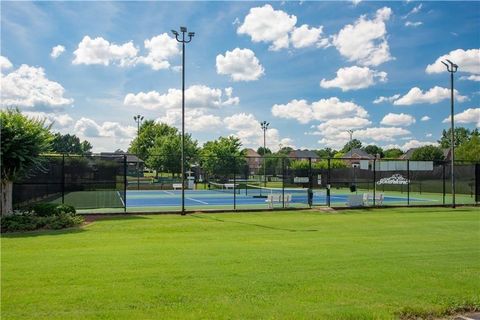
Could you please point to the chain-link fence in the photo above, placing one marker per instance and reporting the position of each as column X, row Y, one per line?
column 125, row 182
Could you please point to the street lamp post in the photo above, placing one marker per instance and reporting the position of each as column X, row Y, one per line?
column 183, row 30
column 264, row 125
column 138, row 119
column 452, row 68
column 350, row 132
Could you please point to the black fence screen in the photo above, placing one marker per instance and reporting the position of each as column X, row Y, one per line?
column 121, row 182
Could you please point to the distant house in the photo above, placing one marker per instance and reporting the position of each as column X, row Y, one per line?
column 447, row 154
column 133, row 162
column 254, row 161
column 304, row 155
column 355, row 155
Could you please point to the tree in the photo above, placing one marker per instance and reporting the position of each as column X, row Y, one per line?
column 427, row 153
column 22, row 141
column 374, row 150
column 149, row 132
column 393, row 153
column 285, row 151
column 470, row 150
column 325, row 153
column 70, row 144
column 222, row 157
column 354, row 144
column 461, row 136
column 166, row 153
column 262, row 151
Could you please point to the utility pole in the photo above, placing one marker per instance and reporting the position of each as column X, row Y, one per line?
column 183, row 30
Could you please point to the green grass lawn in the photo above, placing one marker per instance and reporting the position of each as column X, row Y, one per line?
column 365, row 264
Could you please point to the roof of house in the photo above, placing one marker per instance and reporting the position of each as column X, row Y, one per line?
column 358, row 153
column 407, row 155
column 251, row 153
column 303, row 154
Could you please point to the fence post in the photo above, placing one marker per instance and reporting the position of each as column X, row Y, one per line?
column 283, row 182
column 443, row 169
column 408, row 182
column 328, row 184
column 125, row 183
column 63, row 178
column 234, row 183
column 374, row 180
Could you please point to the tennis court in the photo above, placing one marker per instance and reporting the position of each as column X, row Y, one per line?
column 247, row 198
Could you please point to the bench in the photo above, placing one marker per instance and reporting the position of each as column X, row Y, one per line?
column 354, row 200
column 177, row 186
column 272, row 198
column 367, row 197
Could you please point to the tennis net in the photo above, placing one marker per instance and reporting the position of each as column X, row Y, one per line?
column 224, row 187
column 298, row 194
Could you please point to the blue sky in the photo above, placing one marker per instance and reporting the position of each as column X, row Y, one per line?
column 311, row 69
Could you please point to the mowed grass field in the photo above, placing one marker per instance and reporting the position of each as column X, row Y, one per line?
column 364, row 264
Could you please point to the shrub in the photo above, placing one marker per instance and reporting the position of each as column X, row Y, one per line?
column 43, row 216
column 45, row 209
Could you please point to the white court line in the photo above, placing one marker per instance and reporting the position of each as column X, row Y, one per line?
column 202, row 202
column 168, row 192
column 120, row 196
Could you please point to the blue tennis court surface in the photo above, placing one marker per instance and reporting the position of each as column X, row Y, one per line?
column 206, row 198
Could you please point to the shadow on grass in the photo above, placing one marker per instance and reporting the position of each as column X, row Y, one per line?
column 251, row 224
column 110, row 217
column 43, row 232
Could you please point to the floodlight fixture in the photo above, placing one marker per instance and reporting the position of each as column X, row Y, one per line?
column 183, row 29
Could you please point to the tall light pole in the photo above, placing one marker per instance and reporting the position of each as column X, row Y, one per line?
column 452, row 68
column 138, row 119
column 264, row 125
column 183, row 30
column 350, row 132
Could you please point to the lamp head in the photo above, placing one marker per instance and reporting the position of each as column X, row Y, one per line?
column 191, row 34
column 175, row 33
column 183, row 29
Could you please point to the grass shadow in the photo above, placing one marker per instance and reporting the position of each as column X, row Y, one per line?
column 252, row 224
column 43, row 232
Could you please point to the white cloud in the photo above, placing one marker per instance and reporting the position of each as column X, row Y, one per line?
column 57, row 51
column 366, row 40
column 196, row 96
column 367, row 135
column 5, row 64
column 415, row 10
column 160, row 49
column 434, row 95
column 428, row 135
column 100, row 51
column 60, row 120
column 323, row 109
column 472, row 77
column 417, row 144
column 397, row 119
column 353, row 78
column 356, row 2
column 381, row 133
column 28, row 87
column 240, row 64
column 306, row 36
column 471, row 115
column 425, row 118
column 195, row 120
column 264, row 24
column 386, row 99
column 413, row 24
column 333, row 126
column 467, row 61
column 89, row 128
column 247, row 128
